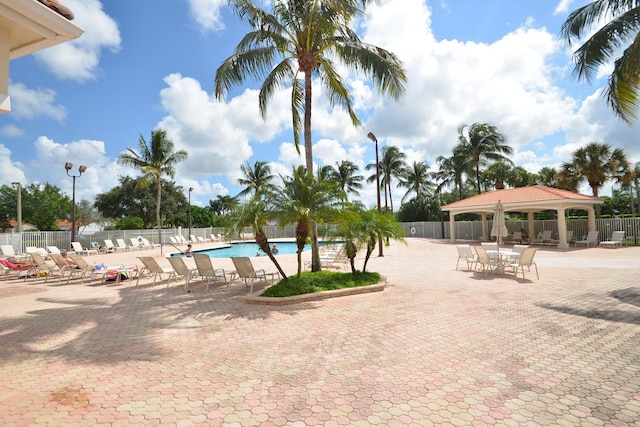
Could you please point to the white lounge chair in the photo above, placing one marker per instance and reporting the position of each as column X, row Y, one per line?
column 122, row 245
column 151, row 267
column 591, row 239
column 182, row 270
column 557, row 242
column 250, row 276
column 78, row 249
column 43, row 252
column 208, row 272
column 617, row 240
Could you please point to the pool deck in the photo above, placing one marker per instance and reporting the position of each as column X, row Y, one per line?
column 436, row 347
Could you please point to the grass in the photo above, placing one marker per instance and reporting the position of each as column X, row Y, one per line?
column 309, row 283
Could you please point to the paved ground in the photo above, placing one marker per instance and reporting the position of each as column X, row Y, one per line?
column 436, row 347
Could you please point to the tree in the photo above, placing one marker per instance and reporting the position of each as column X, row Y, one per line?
column 392, row 165
column 254, row 213
column 620, row 33
column 416, row 179
column 43, row 205
column 499, row 173
column 482, row 142
column 598, row 163
column 345, row 173
column 373, row 227
column 305, row 200
column 547, row 177
column 306, row 37
column 257, row 179
column 451, row 171
column 154, row 160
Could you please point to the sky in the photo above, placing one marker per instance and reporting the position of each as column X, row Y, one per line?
column 144, row 65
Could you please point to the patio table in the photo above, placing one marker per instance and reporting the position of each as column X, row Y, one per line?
column 502, row 257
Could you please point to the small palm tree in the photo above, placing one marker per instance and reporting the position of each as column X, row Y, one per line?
column 306, row 37
column 345, row 173
column 254, row 213
column 619, row 34
column 373, row 227
column 391, row 166
column 155, row 159
column 481, row 142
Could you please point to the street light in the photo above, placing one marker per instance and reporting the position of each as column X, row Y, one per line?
column 18, row 188
column 81, row 169
column 372, row 137
column 190, row 190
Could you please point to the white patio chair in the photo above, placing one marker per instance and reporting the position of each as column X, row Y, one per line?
column 591, row 239
column 466, row 253
column 617, row 240
column 525, row 260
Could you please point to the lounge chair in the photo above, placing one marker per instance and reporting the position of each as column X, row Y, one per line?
column 617, row 240
column 39, row 267
column 557, row 242
column 486, row 262
column 525, row 260
column 122, row 245
column 182, row 271
column 193, row 239
column 208, row 273
column 543, row 238
column 516, row 237
column 65, row 268
column 173, row 240
column 78, row 249
column 181, row 239
column 151, row 267
column 84, row 268
column 43, row 252
column 8, row 268
column 53, row 250
column 591, row 239
column 136, row 243
column 466, row 253
column 249, row 275
column 8, row 251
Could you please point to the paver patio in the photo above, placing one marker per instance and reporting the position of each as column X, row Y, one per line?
column 436, row 347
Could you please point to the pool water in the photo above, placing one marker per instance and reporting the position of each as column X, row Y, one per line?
column 248, row 249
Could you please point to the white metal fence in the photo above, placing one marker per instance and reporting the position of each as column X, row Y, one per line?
column 465, row 230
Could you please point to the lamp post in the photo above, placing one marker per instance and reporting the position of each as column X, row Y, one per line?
column 372, row 137
column 190, row 190
column 81, row 169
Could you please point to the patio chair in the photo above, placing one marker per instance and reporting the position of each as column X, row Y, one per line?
column 490, row 246
column 544, row 237
column 43, row 252
column 182, row 271
column 151, row 267
column 122, row 245
column 486, row 262
column 466, row 253
column 208, row 272
column 53, row 250
column 39, row 267
column 519, row 248
column 78, row 249
column 84, row 268
column 557, row 242
column 249, row 275
column 617, row 240
column 591, row 239
column 525, row 260
column 65, row 268
column 8, row 268
column 193, row 239
column 516, row 236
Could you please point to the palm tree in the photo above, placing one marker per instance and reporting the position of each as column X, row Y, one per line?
column 598, row 163
column 547, row 177
column 256, row 214
column 392, row 165
column 451, row 170
column 305, row 200
column 372, row 227
column 306, row 37
column 345, row 173
column 482, row 142
column 257, row 179
column 620, row 33
column 416, row 179
column 499, row 173
column 154, row 160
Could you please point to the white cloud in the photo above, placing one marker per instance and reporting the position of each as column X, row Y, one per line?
column 562, row 7
column 11, row 131
column 32, row 103
column 79, row 59
column 11, row 171
column 207, row 13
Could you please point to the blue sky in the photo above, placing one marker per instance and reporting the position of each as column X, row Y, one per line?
column 143, row 65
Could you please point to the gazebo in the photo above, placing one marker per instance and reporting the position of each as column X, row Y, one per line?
column 531, row 199
column 28, row 26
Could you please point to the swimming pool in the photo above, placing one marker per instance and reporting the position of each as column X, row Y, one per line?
column 249, row 249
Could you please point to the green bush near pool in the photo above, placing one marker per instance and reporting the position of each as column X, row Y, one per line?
column 309, row 283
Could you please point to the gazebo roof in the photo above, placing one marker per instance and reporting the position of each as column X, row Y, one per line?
column 523, row 199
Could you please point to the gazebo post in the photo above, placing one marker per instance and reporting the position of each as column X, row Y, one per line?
column 562, row 229
column 531, row 226
column 485, row 227
column 452, row 227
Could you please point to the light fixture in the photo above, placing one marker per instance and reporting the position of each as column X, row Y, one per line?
column 81, row 169
column 372, row 137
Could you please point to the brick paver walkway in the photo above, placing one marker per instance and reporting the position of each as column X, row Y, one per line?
column 436, row 347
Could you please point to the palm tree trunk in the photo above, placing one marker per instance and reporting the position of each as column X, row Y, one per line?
column 308, row 152
column 263, row 243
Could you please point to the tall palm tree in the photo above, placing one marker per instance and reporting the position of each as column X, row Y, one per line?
column 155, row 159
column 417, row 180
column 598, row 163
column 620, row 33
column 306, row 37
column 451, row 171
column 548, row 177
column 499, row 173
column 345, row 173
column 482, row 142
column 392, row 165
column 257, row 179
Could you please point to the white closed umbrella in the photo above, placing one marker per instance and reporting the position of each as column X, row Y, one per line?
column 499, row 227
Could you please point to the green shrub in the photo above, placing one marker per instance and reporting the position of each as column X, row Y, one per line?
column 309, row 283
